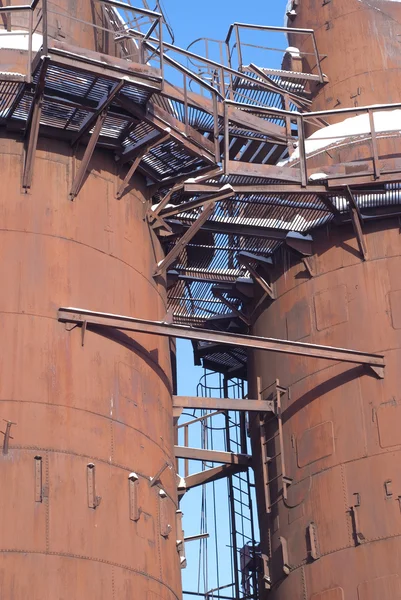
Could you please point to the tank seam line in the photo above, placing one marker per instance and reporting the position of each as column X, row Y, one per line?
column 65, row 239
column 99, row 560
column 318, row 275
column 89, row 457
column 346, row 462
column 39, row 316
column 108, row 418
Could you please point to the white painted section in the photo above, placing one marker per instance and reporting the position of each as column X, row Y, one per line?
column 19, row 40
column 350, row 130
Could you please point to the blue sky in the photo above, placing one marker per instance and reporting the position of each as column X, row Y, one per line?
column 191, row 20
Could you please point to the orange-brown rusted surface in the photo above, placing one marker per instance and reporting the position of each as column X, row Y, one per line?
column 341, row 425
column 359, row 44
column 82, row 25
column 338, row 533
column 106, row 403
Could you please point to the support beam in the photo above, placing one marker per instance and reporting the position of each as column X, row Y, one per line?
column 223, row 404
column 219, row 294
column 226, row 191
column 191, row 187
column 246, row 259
column 140, row 151
column 257, row 231
column 32, row 128
column 91, row 119
column 290, row 174
column 214, row 474
column 194, row 142
column 228, row 458
column 250, row 121
column 185, row 239
column 357, row 221
column 375, row 150
column 90, row 148
column 300, row 243
column 79, row 316
column 148, row 141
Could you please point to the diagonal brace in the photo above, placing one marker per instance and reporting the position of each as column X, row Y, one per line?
column 33, row 128
column 220, row 296
column 220, row 194
column 186, row 238
column 91, row 119
column 357, row 221
column 90, row 148
column 213, row 474
column 245, row 258
column 156, row 141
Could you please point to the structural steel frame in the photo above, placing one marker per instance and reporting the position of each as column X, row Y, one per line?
column 86, row 317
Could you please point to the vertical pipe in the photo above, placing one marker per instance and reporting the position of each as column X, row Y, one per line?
column 239, row 49
column 375, row 151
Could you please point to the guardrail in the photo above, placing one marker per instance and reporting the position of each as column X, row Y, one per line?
column 236, row 28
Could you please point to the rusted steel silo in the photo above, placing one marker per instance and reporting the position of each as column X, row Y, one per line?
column 88, row 495
column 328, row 481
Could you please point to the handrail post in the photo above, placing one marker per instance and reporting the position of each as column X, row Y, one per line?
column 185, row 104
column 375, row 151
column 302, row 152
column 239, row 50
column 30, row 37
column 161, row 45
column 226, row 140
column 45, row 28
column 216, row 129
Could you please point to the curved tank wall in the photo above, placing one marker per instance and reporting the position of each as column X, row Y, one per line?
column 83, row 24
column 84, row 416
column 359, row 44
column 341, row 425
column 337, row 536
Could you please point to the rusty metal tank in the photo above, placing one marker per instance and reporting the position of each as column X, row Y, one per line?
column 86, row 421
column 337, row 534
column 85, row 25
column 359, row 42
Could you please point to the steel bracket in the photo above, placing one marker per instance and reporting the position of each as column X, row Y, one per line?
column 156, row 479
column 313, row 541
column 138, row 154
column 180, row 540
column 33, row 125
column 7, row 436
column 285, row 556
column 236, row 311
column 357, row 223
column 90, row 148
column 246, row 259
column 183, row 241
column 134, row 510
